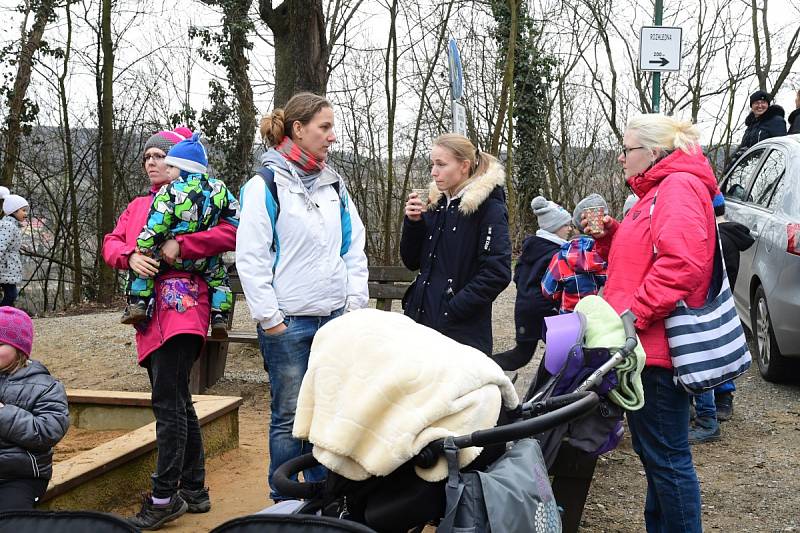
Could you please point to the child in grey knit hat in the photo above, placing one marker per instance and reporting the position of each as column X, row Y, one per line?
column 550, row 216
column 577, row 270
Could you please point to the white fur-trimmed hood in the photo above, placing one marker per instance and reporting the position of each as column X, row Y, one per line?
column 477, row 191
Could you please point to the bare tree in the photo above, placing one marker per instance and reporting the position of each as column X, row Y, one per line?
column 31, row 40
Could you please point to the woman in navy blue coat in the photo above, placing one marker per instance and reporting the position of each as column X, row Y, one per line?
column 458, row 239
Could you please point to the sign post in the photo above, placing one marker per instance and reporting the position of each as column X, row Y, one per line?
column 659, row 51
column 459, row 113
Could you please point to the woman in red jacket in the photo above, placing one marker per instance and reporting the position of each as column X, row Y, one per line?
column 662, row 252
column 170, row 342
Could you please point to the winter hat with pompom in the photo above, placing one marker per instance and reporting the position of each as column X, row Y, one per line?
column 166, row 139
column 16, row 329
column 189, row 156
column 550, row 216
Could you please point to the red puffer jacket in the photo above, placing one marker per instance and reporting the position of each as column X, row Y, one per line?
column 683, row 231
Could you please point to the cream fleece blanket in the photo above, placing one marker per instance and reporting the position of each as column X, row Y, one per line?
column 380, row 387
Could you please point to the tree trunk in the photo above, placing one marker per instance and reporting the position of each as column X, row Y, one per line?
column 508, row 76
column 74, row 231
column 301, row 47
column 30, row 43
column 240, row 83
column 106, row 285
column 390, row 89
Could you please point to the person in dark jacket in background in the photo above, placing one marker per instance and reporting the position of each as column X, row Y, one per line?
column 716, row 405
column 763, row 122
column 531, row 306
column 458, row 239
column 33, row 415
column 794, row 116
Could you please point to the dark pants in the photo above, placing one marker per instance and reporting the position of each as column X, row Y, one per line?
column 181, row 461
column 21, row 493
column 660, row 436
column 10, row 294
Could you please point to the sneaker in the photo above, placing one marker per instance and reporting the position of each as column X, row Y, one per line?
column 704, row 430
column 152, row 516
column 198, row 500
column 219, row 326
column 724, row 403
column 134, row 313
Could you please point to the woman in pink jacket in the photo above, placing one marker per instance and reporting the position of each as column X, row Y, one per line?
column 170, row 342
column 654, row 261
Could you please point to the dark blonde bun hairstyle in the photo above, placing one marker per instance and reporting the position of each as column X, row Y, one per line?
column 300, row 108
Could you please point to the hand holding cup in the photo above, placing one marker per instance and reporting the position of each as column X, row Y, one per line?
column 415, row 206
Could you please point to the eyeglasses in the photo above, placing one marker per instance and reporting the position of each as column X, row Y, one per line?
column 155, row 157
column 626, row 151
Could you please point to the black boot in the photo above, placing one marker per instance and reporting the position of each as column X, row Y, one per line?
column 515, row 358
column 135, row 311
column 219, row 325
column 198, row 500
column 152, row 516
column 724, row 403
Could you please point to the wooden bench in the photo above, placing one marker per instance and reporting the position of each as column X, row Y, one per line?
column 386, row 284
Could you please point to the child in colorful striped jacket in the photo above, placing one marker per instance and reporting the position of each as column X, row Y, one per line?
column 576, row 270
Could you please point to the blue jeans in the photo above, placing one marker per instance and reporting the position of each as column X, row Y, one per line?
column 728, row 386
column 286, row 361
column 704, row 405
column 660, row 436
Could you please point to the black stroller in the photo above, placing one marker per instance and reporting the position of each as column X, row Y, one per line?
column 402, row 501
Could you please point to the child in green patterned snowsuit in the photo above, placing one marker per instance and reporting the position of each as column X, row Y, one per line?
column 192, row 202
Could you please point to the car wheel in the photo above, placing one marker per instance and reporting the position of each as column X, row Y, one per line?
column 771, row 364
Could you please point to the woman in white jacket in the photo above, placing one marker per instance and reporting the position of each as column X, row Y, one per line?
column 299, row 255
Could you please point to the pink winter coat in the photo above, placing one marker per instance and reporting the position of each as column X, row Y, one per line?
column 182, row 304
column 683, row 230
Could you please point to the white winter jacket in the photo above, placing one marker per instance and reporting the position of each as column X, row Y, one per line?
column 310, row 276
column 10, row 242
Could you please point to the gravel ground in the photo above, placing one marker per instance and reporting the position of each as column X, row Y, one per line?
column 749, row 479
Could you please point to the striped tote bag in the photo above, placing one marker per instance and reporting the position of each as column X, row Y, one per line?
column 707, row 344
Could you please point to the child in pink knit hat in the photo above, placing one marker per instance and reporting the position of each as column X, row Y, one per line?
column 33, row 415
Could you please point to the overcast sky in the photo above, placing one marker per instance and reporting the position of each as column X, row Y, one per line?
column 163, row 34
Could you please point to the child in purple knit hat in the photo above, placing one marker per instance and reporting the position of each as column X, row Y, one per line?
column 33, row 415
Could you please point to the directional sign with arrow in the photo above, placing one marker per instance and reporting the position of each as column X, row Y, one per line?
column 660, row 48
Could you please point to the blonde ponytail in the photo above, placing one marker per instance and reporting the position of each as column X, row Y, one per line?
column 661, row 132
column 463, row 150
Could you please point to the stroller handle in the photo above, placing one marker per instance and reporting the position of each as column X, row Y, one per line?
column 628, row 323
column 285, row 485
column 567, row 408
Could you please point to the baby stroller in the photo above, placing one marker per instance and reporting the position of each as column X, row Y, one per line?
column 571, row 450
column 402, row 501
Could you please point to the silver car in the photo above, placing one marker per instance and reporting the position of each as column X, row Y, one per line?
column 762, row 191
